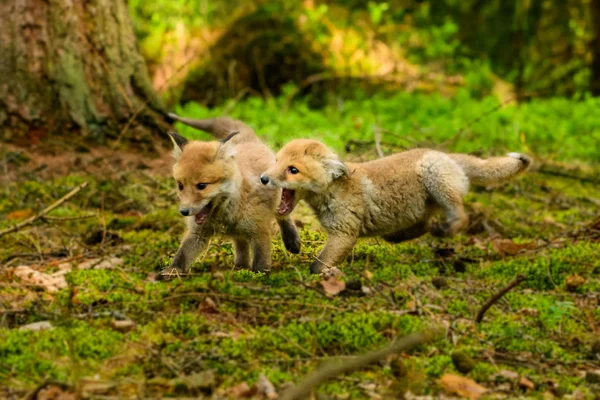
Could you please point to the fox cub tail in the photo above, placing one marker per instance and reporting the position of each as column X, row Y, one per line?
column 220, row 128
column 491, row 170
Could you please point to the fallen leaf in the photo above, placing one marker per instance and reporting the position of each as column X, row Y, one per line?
column 462, row 386
column 266, row 387
column 241, row 390
column 20, row 214
column 508, row 247
column 50, row 282
column 37, row 326
column 526, row 383
column 333, row 286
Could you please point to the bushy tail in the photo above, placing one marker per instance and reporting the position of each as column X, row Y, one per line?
column 220, row 128
column 492, row 170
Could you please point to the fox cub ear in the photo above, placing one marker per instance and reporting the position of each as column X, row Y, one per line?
column 226, row 148
column 179, row 143
column 335, row 168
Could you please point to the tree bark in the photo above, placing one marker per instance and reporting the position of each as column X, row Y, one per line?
column 595, row 79
column 72, row 67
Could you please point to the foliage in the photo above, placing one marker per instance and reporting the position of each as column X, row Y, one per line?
column 550, row 129
column 240, row 324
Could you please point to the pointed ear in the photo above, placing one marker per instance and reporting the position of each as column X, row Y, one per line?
column 179, row 143
column 226, row 149
column 335, row 168
column 229, row 137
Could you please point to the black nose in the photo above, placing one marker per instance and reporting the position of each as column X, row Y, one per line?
column 264, row 179
column 184, row 211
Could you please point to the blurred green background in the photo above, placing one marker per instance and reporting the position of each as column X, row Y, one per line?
column 427, row 72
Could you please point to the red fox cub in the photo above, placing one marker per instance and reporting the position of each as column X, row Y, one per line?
column 393, row 197
column 220, row 192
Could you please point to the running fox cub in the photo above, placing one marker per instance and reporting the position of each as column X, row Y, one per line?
column 220, row 192
column 393, row 197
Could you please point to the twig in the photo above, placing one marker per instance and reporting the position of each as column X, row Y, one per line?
column 378, row 142
column 332, row 369
column 45, row 211
column 497, row 296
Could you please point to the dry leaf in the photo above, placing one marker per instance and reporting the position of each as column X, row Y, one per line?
column 333, row 286
column 462, row 386
column 20, row 214
column 266, row 387
column 241, row 390
column 508, row 247
column 50, row 282
column 526, row 383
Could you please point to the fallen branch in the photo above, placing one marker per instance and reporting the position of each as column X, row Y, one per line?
column 303, row 389
column 378, row 142
column 497, row 296
column 45, row 211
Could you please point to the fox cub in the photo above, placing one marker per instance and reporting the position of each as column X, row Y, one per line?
column 393, row 197
column 220, row 193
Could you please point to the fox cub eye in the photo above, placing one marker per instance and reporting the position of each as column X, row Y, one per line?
column 201, row 186
column 180, row 185
column 293, row 170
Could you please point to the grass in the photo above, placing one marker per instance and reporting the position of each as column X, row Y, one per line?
column 241, row 325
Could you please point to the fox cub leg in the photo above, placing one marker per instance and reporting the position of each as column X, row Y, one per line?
column 336, row 249
column 261, row 249
column 241, row 253
column 289, row 235
column 191, row 246
column 413, row 232
column 447, row 184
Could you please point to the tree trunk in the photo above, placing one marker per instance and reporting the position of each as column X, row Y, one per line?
column 72, row 67
column 595, row 80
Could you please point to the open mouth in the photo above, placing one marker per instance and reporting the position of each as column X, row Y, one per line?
column 202, row 216
column 286, row 205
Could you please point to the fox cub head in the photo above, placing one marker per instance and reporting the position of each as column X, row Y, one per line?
column 303, row 167
column 204, row 174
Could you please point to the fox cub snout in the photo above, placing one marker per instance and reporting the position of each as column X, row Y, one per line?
column 220, row 193
column 393, row 197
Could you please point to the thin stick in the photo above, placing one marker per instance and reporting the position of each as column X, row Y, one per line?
column 378, row 142
column 331, row 369
column 498, row 296
column 45, row 211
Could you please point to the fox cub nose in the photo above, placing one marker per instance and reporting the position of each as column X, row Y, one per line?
column 184, row 211
column 264, row 179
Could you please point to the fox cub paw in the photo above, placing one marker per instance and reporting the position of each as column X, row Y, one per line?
column 441, row 230
column 316, row 267
column 292, row 242
column 169, row 273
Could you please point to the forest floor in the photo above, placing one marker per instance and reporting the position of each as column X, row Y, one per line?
column 82, row 315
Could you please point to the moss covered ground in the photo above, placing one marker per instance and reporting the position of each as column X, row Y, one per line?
column 116, row 332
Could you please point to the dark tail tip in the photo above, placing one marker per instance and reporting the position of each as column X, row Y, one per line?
column 521, row 157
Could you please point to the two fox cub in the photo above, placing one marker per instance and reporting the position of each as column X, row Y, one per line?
column 236, row 187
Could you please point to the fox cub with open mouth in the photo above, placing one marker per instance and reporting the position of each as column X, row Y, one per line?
column 220, row 192
column 393, row 197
